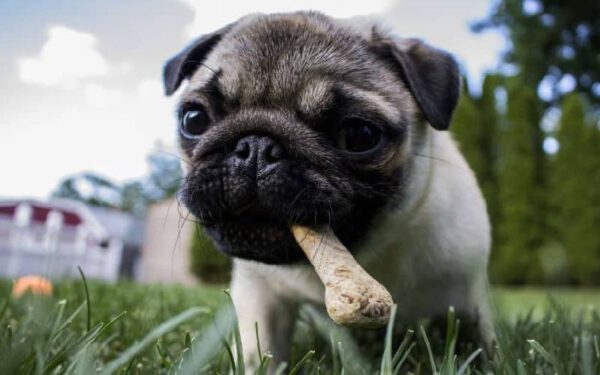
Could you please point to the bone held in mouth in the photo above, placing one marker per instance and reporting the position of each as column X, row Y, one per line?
column 352, row 296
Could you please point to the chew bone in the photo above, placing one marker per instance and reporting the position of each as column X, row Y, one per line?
column 352, row 296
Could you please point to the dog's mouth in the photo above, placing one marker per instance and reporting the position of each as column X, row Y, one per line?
column 256, row 211
column 257, row 233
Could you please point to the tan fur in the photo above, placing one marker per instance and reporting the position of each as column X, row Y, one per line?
column 429, row 246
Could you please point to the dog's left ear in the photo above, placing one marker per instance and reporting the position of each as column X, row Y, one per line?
column 185, row 63
column 431, row 75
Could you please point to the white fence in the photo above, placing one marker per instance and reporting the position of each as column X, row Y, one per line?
column 55, row 251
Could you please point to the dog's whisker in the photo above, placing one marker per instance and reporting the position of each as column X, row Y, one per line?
column 440, row 160
column 178, row 157
column 182, row 222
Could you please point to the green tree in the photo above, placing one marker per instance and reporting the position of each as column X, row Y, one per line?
column 134, row 198
column 475, row 129
column 162, row 182
column 89, row 188
column 467, row 131
column 576, row 195
column 551, row 40
column 207, row 263
column 165, row 175
column 488, row 144
column 521, row 230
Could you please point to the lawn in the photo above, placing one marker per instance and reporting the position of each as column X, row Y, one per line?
column 513, row 302
column 127, row 328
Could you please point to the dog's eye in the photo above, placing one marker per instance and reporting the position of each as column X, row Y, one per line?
column 357, row 135
column 194, row 122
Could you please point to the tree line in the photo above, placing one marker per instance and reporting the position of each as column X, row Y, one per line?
column 539, row 170
column 533, row 140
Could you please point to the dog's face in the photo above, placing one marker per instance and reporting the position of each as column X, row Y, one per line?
column 296, row 118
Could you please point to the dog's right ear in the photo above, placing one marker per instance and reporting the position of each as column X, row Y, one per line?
column 185, row 63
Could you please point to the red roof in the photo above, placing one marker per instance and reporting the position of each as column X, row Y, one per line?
column 41, row 211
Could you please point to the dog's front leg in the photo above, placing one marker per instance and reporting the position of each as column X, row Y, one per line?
column 257, row 303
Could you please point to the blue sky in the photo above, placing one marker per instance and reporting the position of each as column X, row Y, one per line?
column 81, row 86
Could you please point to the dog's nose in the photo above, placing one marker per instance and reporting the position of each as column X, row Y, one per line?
column 257, row 153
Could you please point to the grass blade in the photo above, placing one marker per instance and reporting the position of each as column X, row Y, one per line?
column 335, row 356
column 87, row 299
column 229, row 352
column 402, row 349
column 301, row 362
column 157, row 332
column 263, row 368
column 429, row 351
column 353, row 359
column 260, row 356
column 280, row 369
column 236, row 336
column 587, row 361
column 451, row 328
column 112, row 322
column 544, row 353
column 387, row 364
column 4, row 308
column 471, row 358
column 207, row 346
column 68, row 321
column 521, row 370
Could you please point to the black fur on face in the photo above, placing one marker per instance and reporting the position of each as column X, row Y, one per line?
column 248, row 215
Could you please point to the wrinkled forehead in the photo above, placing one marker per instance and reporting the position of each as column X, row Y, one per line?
column 295, row 59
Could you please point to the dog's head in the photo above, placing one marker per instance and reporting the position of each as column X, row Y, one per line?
column 299, row 118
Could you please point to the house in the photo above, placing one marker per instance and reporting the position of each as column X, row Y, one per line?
column 53, row 237
column 168, row 235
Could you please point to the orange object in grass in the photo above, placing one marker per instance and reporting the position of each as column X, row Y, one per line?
column 33, row 284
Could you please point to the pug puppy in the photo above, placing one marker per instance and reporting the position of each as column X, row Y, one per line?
column 302, row 118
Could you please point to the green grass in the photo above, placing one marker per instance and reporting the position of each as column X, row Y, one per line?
column 36, row 323
column 512, row 302
column 138, row 329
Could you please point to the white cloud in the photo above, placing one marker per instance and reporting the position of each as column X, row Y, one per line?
column 209, row 16
column 445, row 25
column 67, row 57
column 102, row 97
column 151, row 89
column 108, row 130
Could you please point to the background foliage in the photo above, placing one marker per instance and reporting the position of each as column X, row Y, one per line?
column 532, row 138
column 208, row 264
column 161, row 182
